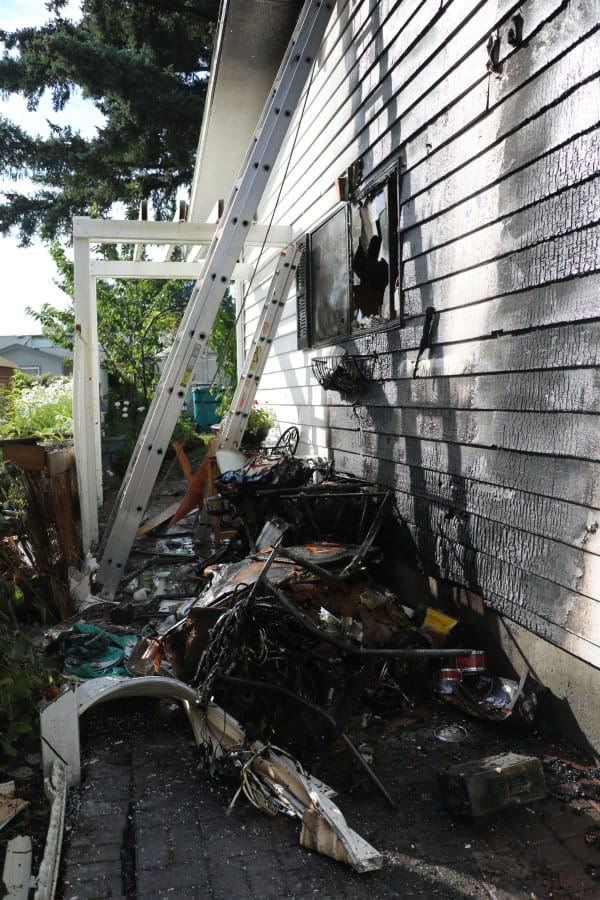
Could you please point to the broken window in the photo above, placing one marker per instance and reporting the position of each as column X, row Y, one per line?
column 375, row 298
column 348, row 281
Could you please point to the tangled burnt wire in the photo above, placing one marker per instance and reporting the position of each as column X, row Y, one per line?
column 226, row 645
column 283, row 682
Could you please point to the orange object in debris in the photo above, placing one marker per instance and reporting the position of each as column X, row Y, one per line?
column 183, row 461
column 194, row 498
column 154, row 652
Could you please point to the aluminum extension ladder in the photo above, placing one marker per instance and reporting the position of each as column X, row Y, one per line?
column 193, row 333
column 234, row 424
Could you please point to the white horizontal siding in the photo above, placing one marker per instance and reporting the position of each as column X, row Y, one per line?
column 500, row 214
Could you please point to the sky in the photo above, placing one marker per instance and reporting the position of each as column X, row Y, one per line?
column 27, row 275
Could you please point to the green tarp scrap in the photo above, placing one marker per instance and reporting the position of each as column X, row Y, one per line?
column 92, row 652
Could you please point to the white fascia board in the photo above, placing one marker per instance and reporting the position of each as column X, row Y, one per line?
column 106, row 268
column 110, row 231
column 251, row 41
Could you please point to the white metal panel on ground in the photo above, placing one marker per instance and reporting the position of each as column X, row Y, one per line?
column 16, row 873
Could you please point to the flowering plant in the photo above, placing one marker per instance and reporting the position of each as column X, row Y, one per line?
column 30, row 408
column 260, row 417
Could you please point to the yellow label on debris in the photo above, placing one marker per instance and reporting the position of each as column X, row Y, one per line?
column 438, row 621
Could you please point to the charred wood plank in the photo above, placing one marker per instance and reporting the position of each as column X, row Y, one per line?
column 558, row 303
column 571, row 210
column 571, row 255
column 555, row 390
column 466, row 92
column 558, row 615
column 549, row 90
column 435, row 495
column 552, row 434
column 556, row 478
column 570, row 164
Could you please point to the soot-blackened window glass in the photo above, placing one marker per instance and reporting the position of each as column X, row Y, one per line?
column 375, row 259
column 329, row 278
column 349, row 275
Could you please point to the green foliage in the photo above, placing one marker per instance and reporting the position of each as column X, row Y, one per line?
column 260, row 417
column 23, row 679
column 223, row 341
column 144, row 65
column 12, row 504
column 32, row 408
column 185, row 434
column 136, row 321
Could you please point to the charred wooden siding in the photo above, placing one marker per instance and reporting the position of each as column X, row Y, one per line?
column 492, row 109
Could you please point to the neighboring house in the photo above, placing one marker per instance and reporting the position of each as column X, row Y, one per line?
column 6, row 370
column 444, row 178
column 35, row 355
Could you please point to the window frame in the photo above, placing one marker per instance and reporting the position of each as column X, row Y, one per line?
column 307, row 338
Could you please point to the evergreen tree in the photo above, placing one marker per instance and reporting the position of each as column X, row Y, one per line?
column 144, row 64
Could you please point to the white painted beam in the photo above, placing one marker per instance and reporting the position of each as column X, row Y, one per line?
column 105, row 268
column 85, row 388
column 108, row 231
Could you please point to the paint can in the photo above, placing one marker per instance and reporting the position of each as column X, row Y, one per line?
column 472, row 663
column 445, row 679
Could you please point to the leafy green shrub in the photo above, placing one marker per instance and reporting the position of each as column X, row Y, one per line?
column 184, row 433
column 23, row 676
column 260, row 417
column 32, row 408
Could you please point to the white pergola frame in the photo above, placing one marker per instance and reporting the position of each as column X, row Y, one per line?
column 86, row 364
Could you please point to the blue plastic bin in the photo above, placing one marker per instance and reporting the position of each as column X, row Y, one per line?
column 204, row 405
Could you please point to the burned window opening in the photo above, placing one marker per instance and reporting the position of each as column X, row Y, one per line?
column 350, row 280
column 375, row 296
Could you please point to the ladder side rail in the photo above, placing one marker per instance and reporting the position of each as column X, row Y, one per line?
column 238, row 214
column 234, row 425
column 208, row 292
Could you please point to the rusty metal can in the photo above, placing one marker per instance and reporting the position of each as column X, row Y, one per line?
column 472, row 663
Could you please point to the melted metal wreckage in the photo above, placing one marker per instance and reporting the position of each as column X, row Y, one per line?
column 289, row 646
column 236, row 642
column 287, row 641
